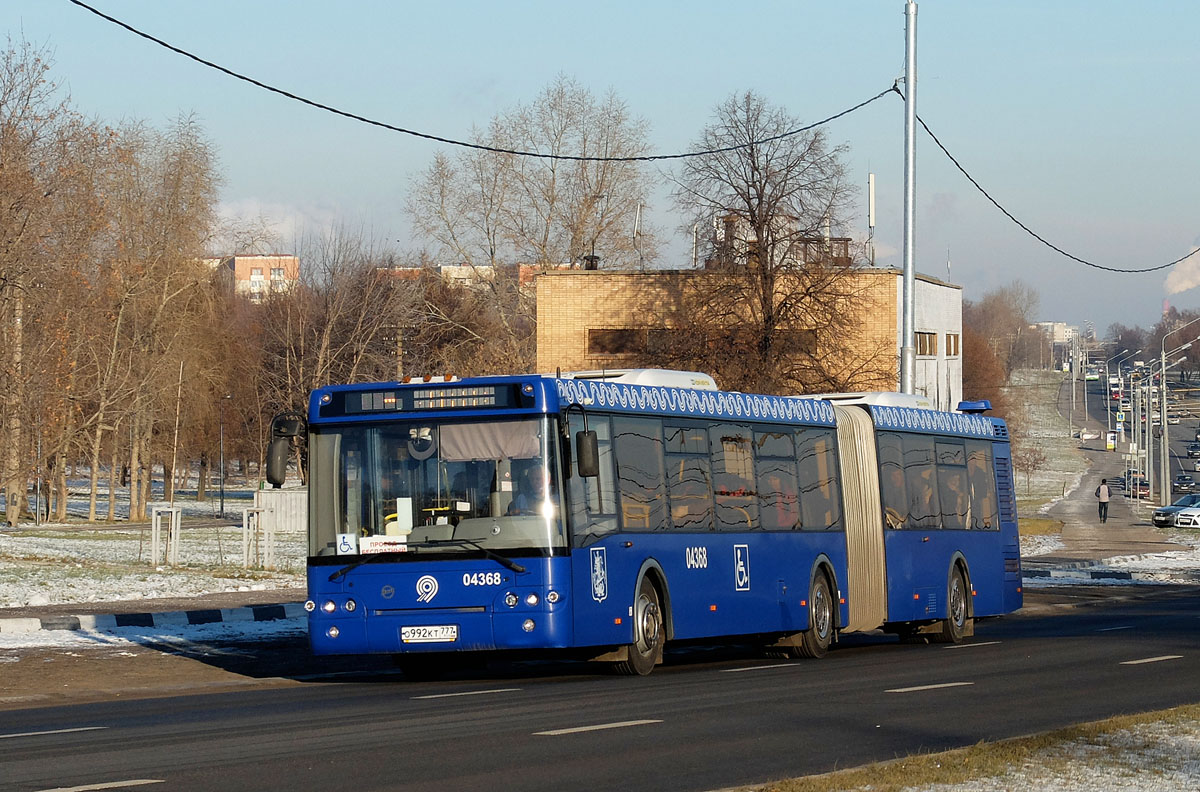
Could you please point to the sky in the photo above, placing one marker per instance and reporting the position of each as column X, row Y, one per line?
column 1079, row 118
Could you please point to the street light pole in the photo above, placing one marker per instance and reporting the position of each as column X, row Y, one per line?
column 1107, row 387
column 1164, row 495
column 222, row 479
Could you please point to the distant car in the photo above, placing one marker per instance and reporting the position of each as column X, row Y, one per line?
column 1164, row 516
column 1125, row 405
column 1173, row 419
column 1139, row 488
column 1187, row 518
column 1193, row 450
column 1184, row 482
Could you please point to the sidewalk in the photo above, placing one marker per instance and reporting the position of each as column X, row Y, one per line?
column 1086, row 541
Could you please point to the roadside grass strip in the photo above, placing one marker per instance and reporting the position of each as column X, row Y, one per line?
column 1121, row 746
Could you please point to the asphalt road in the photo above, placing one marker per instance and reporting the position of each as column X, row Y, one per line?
column 708, row 719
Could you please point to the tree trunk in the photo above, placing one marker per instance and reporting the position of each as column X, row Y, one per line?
column 112, row 479
column 94, row 472
column 202, row 484
column 14, row 481
column 60, row 488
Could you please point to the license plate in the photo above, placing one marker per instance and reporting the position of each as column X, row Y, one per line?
column 437, row 633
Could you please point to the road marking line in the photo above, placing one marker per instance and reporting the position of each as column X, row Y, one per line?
column 757, row 668
column 598, row 727
column 970, row 645
column 928, row 687
column 52, row 731
column 108, row 785
column 466, row 693
column 1111, row 629
column 1153, row 659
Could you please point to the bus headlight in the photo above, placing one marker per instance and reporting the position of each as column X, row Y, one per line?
column 310, row 606
column 333, row 631
column 552, row 597
column 329, row 607
column 531, row 599
column 350, row 605
column 527, row 625
column 510, row 600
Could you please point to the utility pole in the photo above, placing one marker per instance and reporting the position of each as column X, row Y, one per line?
column 908, row 330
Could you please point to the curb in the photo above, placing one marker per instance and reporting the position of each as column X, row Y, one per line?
column 110, row 622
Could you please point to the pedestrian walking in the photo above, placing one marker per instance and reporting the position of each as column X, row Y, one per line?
column 1102, row 496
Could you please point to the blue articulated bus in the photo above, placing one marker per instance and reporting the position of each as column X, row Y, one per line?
column 607, row 514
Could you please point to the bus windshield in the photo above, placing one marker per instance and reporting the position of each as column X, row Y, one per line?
column 430, row 486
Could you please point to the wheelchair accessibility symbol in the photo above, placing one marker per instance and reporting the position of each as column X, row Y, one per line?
column 347, row 543
column 741, row 567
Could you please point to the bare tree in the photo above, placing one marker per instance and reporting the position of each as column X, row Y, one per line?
column 494, row 211
column 776, row 308
column 47, row 211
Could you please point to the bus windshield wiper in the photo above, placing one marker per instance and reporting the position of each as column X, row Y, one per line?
column 367, row 559
column 507, row 562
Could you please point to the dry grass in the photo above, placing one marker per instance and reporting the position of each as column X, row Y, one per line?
column 1040, row 526
column 981, row 761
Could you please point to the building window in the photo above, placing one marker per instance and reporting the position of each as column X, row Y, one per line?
column 276, row 273
column 951, row 344
column 256, row 273
column 926, row 343
column 616, row 342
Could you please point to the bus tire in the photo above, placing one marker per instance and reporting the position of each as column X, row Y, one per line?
column 646, row 651
column 814, row 642
column 954, row 627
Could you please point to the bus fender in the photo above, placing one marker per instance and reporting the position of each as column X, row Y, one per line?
column 651, row 567
column 822, row 565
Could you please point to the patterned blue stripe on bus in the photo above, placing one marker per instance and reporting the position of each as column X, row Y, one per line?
column 685, row 401
column 932, row 421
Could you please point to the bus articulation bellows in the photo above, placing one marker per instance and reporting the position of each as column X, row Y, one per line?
column 607, row 514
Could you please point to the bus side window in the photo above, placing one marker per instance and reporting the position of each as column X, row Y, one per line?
column 982, row 481
column 892, row 490
column 778, row 481
column 952, row 485
column 920, row 477
column 639, row 450
column 689, row 478
column 820, row 494
column 594, row 500
column 733, row 477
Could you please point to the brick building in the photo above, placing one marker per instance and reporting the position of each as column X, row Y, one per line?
column 599, row 319
column 256, row 275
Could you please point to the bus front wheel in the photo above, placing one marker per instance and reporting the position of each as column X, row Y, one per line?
column 647, row 648
column 814, row 642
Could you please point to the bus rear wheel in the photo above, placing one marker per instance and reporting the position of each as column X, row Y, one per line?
column 814, row 642
column 954, row 627
column 647, row 648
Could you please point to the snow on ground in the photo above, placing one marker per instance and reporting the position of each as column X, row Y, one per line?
column 1163, row 756
column 42, row 566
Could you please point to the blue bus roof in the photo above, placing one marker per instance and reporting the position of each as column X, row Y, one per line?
column 534, row 393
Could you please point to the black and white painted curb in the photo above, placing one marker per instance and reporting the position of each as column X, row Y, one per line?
column 167, row 619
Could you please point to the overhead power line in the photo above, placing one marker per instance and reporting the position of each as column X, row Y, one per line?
column 462, row 143
column 649, row 158
column 1029, row 230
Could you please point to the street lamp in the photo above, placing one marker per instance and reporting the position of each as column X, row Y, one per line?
column 1108, row 412
column 223, row 400
column 1164, row 495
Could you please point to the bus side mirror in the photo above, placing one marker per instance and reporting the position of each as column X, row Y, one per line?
column 587, row 454
column 277, row 458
